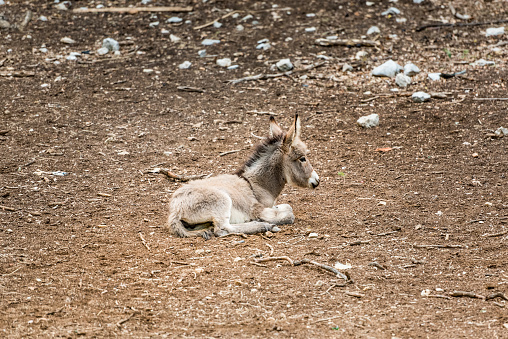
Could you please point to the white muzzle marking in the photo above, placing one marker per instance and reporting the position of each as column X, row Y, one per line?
column 314, row 180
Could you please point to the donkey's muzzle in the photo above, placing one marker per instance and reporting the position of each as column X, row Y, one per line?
column 314, row 180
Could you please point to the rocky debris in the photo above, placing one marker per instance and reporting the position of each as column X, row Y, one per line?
column 501, row 132
column 402, row 80
column 63, row 6
column 388, row 69
column 153, row 24
column 482, row 62
column 240, row 28
column 174, row 20
column 202, row 53
column 209, row 42
column 174, row 38
column 391, row 11
column 225, row 62
column 360, row 55
column 102, row 51
column 494, row 31
column 368, row 121
column 43, row 18
column 401, row 20
column 434, row 76
column 4, row 23
column 417, row 1
column 284, row 65
column 313, row 235
column 373, row 30
column 185, row 65
column 67, row 40
column 420, row 97
column 347, row 68
column 111, row 44
column 411, row 69
column 310, row 29
column 217, row 24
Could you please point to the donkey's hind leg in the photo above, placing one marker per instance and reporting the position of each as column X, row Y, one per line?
column 279, row 215
column 251, row 227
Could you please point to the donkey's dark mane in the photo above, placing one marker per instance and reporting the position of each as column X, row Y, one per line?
column 259, row 150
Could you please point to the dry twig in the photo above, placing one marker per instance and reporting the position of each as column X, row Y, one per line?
column 271, row 248
column 143, row 240
column 495, row 234
column 496, row 295
column 243, row 235
column 119, row 324
column 325, row 267
column 490, row 99
column 230, row 152
column 190, row 89
column 466, row 294
column 348, row 43
column 438, row 246
column 439, row 296
column 5, row 208
column 214, row 21
column 458, row 24
column 288, row 259
column 132, row 10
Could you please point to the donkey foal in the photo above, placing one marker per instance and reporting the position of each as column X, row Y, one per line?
column 244, row 202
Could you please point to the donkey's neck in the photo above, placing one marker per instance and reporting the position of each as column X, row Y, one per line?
column 266, row 176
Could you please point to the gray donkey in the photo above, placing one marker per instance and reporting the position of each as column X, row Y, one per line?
column 244, row 202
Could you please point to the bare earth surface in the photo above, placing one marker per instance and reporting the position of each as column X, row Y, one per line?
column 86, row 254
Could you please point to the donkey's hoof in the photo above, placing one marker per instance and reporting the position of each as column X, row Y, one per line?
column 275, row 229
column 207, row 235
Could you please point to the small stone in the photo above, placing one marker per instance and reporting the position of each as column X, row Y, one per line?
column 4, row 23
column 240, row 28
column 310, row 29
column 202, row 53
column 493, row 31
column 439, row 289
column 233, row 67
column 474, row 155
column 43, row 18
column 482, row 62
column 164, row 31
column 420, row 97
column 284, row 65
column 401, row 20
column 185, row 65
column 369, row 121
column 43, row 50
column 370, row 3
column 102, row 51
column 111, row 44
column 209, row 42
column 373, row 30
column 313, row 235
column 63, row 6
column 225, row 62
column 360, row 55
column 153, row 24
column 411, row 69
column 247, row 17
column 174, row 20
column 434, row 76
column 255, row 22
column 381, row 203
column 391, row 10
column 347, row 68
column 402, row 80
column 174, row 38
column 417, row 1
column 67, row 40
column 388, row 69
column 148, row 70
column 501, row 132
column 264, row 46
column 217, row 24
column 332, row 37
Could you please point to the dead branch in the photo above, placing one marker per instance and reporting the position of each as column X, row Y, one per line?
column 325, row 267
column 490, row 99
column 288, row 259
column 17, row 74
column 230, row 152
column 119, row 324
column 243, row 235
column 190, row 89
column 461, row 24
column 377, row 265
column 5, row 208
column 347, row 42
column 439, row 296
column 17, row 269
column 132, row 10
column 174, row 176
column 263, row 76
column 496, row 295
column 182, row 263
column 495, row 234
column 143, row 240
column 258, row 264
column 466, row 294
column 438, row 246
column 359, row 242
column 325, row 319
column 355, row 294
column 214, row 21
column 271, row 248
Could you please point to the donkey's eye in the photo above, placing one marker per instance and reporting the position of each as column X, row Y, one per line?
column 302, row 159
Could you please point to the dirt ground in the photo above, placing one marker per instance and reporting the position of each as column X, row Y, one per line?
column 85, row 253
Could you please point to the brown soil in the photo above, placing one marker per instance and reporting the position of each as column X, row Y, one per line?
column 72, row 262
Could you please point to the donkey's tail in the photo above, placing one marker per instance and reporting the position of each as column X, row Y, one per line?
column 177, row 227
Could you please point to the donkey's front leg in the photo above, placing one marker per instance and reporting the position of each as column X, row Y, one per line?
column 278, row 215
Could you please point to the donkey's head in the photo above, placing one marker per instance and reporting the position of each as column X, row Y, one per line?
column 296, row 165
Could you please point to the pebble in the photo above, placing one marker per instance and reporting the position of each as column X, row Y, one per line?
column 434, row 76
column 360, row 55
column 347, row 68
column 63, row 6
column 262, row 41
column 310, row 29
column 148, row 70
column 111, row 44
column 493, row 31
column 284, row 65
column 247, row 17
column 202, row 53
column 411, row 69
column 210, row 42
column 233, row 67
column 332, row 37
column 391, row 10
column 174, row 38
column 420, row 97
column 185, row 65
column 402, row 80
column 43, row 18
column 67, row 40
column 388, row 69
column 401, row 20
column 43, row 50
column 164, row 31
column 264, row 46
column 368, row 121
column 373, row 30
column 217, row 24
column 174, row 20
column 4, row 23
column 482, row 62
column 313, row 235
column 370, row 3
column 501, row 132
column 417, row 1
column 153, row 24
column 240, row 28
column 225, row 62
column 102, row 51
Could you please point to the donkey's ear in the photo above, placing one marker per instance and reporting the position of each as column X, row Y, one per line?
column 293, row 133
column 274, row 128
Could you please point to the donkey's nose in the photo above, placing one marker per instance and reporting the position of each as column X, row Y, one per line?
column 314, row 180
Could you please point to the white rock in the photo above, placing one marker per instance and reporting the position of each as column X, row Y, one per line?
column 262, row 41
column 185, row 65
column 417, row 1
column 434, row 76
column 111, row 44
column 388, row 69
column 402, row 80
column 102, row 51
column 233, row 67
column 153, row 24
column 313, row 235
column 373, row 30
column 202, row 53
column 174, row 38
column 43, row 50
column 217, row 24
column 225, row 62
column 340, row 266
column 347, row 68
column 332, row 37
column 411, row 69
column 501, row 132
column 264, row 46
column 420, row 96
column 284, row 65
column 240, row 28
column 148, row 70
column 67, row 40
column 209, row 42
column 71, row 57
column 483, row 62
column 310, row 15
column 370, row 3
column 493, row 31
column 401, row 20
column 310, row 29
column 391, row 10
column 361, row 55
column 63, row 6
column 369, row 121
column 174, row 20
column 247, row 17
column 164, row 31
column 43, row 18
